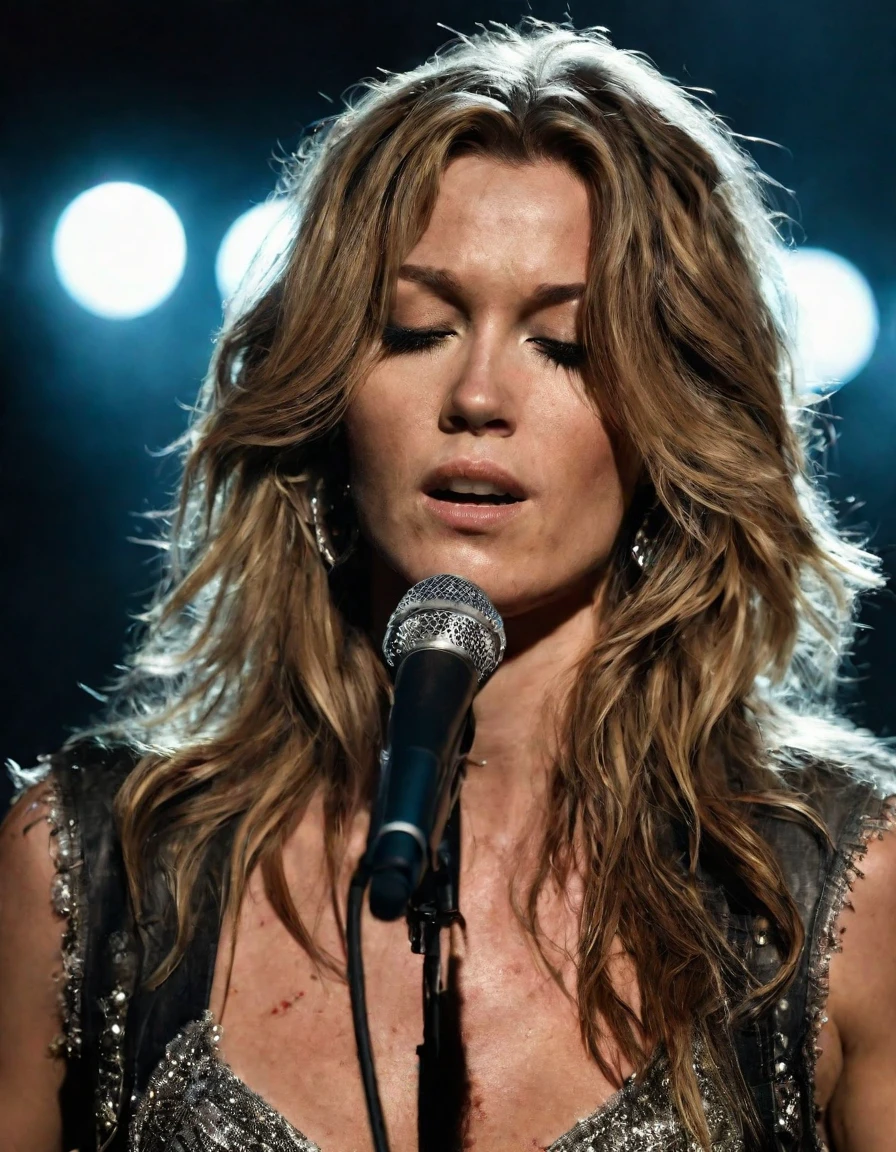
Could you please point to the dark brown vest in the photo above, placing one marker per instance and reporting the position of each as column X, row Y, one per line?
column 125, row 1028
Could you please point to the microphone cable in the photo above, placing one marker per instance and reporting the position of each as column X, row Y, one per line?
column 357, row 889
column 434, row 907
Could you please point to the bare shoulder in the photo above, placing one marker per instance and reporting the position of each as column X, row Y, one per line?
column 30, row 961
column 27, row 872
column 862, row 1005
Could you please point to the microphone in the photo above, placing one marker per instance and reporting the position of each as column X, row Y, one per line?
column 444, row 640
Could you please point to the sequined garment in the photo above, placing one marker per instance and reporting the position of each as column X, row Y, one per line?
column 191, row 1102
column 195, row 1103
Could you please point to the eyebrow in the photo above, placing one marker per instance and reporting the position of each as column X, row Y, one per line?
column 446, row 286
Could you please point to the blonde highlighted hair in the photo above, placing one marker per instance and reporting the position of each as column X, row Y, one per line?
column 256, row 684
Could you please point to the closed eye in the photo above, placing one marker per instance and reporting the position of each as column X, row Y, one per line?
column 398, row 340
column 563, row 353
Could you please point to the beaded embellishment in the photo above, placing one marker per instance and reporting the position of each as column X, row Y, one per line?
column 68, row 902
column 114, row 1006
column 641, row 1117
column 195, row 1103
column 66, row 897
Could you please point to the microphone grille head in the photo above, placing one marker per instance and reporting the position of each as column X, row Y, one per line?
column 447, row 612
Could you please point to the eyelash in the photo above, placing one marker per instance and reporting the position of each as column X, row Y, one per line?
column 398, row 341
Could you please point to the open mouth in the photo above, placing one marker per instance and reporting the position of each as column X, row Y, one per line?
column 472, row 497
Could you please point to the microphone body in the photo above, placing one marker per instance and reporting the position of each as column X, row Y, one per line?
column 433, row 693
column 445, row 638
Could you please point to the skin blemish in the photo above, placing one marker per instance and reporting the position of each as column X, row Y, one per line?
column 285, row 1005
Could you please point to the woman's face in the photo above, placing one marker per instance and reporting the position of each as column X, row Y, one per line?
column 472, row 451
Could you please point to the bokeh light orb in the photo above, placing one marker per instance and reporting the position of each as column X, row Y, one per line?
column 837, row 317
column 250, row 248
column 119, row 250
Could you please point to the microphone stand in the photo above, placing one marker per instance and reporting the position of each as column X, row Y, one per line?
column 432, row 907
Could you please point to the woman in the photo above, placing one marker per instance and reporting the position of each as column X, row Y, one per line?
column 530, row 331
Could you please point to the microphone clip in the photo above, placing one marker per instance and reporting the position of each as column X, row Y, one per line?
column 435, row 904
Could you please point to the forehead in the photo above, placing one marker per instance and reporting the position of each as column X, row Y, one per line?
column 492, row 218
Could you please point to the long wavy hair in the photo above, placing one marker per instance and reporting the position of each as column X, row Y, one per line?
column 256, row 683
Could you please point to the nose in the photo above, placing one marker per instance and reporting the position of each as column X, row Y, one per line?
column 480, row 397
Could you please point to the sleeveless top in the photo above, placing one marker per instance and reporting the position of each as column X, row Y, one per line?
column 143, row 1072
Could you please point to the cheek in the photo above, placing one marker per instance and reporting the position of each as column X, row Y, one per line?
column 601, row 474
column 376, row 428
column 590, row 488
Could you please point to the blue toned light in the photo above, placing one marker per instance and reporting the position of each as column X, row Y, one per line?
column 250, row 247
column 119, row 250
column 837, row 317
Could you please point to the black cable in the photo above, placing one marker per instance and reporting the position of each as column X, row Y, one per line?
column 356, row 891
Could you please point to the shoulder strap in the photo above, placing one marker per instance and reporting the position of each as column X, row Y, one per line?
column 777, row 1053
column 124, row 1026
column 87, row 777
column 157, row 1015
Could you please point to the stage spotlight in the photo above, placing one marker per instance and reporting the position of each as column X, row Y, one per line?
column 837, row 317
column 250, row 247
column 119, row 250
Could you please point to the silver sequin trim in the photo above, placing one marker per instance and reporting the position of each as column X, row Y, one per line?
column 66, row 895
column 194, row 1103
column 641, row 1117
column 835, row 897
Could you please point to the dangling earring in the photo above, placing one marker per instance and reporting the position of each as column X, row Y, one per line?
column 322, row 535
column 644, row 547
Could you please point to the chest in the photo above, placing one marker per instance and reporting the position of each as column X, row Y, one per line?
column 522, row 1073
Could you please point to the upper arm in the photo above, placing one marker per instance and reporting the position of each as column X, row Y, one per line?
column 862, row 1006
column 30, row 962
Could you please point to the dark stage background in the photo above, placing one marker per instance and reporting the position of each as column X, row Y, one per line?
column 193, row 100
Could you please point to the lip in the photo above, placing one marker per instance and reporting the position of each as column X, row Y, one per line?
column 484, row 471
column 472, row 517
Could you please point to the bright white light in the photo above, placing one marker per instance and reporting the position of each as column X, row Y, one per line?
column 263, row 232
column 837, row 317
column 119, row 250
